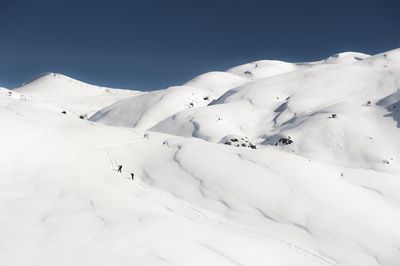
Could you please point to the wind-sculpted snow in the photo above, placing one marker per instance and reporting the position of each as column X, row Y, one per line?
column 268, row 163
column 63, row 204
column 308, row 204
column 332, row 112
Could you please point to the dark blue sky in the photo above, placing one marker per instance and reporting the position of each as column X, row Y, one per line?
column 151, row 44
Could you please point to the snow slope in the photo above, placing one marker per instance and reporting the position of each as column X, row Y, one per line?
column 63, row 204
column 12, row 94
column 146, row 110
column 300, row 104
column 149, row 109
column 152, row 109
column 330, row 197
column 72, row 95
column 201, row 91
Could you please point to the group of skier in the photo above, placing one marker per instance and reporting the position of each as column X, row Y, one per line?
column 120, row 170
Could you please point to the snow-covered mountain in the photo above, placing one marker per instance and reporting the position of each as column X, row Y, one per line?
column 149, row 109
column 301, row 103
column 72, row 95
column 267, row 163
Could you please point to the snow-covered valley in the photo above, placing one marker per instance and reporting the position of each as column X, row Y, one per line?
column 267, row 163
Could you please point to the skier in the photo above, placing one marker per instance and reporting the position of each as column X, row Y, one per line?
column 120, row 168
column 133, row 176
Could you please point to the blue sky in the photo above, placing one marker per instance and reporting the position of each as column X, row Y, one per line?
column 151, row 44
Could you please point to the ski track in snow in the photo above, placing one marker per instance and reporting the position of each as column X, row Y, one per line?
column 305, row 252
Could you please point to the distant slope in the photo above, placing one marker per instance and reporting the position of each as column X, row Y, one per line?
column 71, row 94
column 300, row 103
column 345, row 58
column 216, row 83
column 12, row 94
column 262, row 69
column 146, row 111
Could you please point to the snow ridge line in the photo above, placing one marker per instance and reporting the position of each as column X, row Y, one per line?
column 305, row 252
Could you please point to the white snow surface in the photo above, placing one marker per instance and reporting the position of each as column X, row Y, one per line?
column 72, row 95
column 145, row 111
column 149, row 109
column 331, row 197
